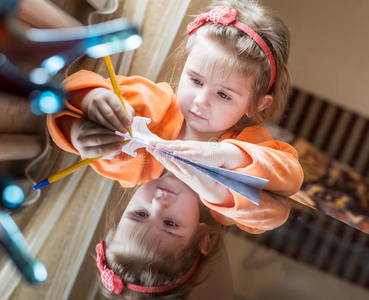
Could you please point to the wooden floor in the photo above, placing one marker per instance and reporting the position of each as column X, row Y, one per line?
column 59, row 228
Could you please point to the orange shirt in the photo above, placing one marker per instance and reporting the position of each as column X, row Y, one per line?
column 267, row 158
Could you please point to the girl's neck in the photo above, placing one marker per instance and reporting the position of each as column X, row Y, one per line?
column 188, row 134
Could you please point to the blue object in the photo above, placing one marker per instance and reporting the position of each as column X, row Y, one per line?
column 39, row 272
column 12, row 196
column 45, row 102
column 41, row 184
column 16, row 247
column 30, row 58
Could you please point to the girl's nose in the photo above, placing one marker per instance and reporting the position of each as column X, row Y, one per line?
column 201, row 99
column 161, row 199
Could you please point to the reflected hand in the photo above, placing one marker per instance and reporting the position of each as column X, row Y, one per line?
column 202, row 184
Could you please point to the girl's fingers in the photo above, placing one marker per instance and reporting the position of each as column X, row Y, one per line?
column 104, row 107
column 109, row 149
column 190, row 172
column 106, row 117
column 181, row 167
column 160, row 157
column 172, row 146
column 171, row 164
column 192, row 155
column 127, row 116
column 93, row 128
column 122, row 118
column 101, row 140
column 176, row 168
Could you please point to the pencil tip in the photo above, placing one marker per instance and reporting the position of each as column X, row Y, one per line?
column 41, row 184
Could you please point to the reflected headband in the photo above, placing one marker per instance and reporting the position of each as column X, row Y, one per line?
column 113, row 282
column 227, row 16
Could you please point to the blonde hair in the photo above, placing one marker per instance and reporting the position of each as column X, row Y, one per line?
column 241, row 53
column 143, row 262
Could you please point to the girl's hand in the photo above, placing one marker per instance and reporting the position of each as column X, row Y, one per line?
column 202, row 184
column 223, row 155
column 104, row 107
column 93, row 140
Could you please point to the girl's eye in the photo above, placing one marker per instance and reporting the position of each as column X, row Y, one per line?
column 170, row 224
column 140, row 214
column 224, row 96
column 195, row 80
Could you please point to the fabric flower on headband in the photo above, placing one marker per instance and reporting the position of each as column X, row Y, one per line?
column 221, row 14
column 111, row 281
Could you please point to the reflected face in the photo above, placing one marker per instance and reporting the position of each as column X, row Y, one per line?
column 209, row 99
column 165, row 206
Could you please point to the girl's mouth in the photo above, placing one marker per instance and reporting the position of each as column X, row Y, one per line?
column 197, row 116
column 169, row 191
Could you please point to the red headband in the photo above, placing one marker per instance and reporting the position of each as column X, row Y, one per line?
column 225, row 15
column 115, row 283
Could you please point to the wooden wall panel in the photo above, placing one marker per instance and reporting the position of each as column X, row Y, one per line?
column 64, row 224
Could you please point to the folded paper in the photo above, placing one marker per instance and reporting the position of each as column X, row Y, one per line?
column 245, row 185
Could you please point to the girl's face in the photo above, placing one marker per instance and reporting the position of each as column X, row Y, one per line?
column 210, row 101
column 165, row 206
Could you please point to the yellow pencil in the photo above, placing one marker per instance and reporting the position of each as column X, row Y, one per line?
column 65, row 172
column 69, row 170
column 87, row 161
column 114, row 82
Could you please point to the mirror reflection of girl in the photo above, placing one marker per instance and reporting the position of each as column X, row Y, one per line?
column 163, row 223
column 228, row 76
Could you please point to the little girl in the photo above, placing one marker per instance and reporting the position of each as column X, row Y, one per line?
column 234, row 70
column 164, row 223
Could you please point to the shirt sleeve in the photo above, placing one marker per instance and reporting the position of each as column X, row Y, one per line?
column 269, row 159
column 272, row 211
column 264, row 158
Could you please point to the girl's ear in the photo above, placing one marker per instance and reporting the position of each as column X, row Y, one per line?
column 205, row 244
column 263, row 103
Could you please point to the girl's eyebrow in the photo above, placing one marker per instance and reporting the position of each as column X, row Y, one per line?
column 192, row 71
column 171, row 233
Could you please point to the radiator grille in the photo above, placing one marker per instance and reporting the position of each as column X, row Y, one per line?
column 342, row 134
column 319, row 241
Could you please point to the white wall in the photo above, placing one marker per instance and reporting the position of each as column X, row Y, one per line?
column 329, row 48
